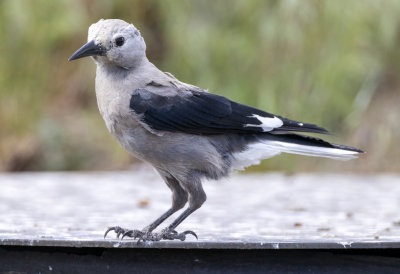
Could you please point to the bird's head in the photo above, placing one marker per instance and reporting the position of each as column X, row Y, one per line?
column 113, row 42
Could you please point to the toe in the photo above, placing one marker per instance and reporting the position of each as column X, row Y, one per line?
column 128, row 233
column 115, row 228
column 187, row 232
column 168, row 234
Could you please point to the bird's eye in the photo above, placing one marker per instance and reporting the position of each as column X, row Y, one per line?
column 119, row 41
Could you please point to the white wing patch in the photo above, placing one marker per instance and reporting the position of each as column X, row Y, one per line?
column 267, row 124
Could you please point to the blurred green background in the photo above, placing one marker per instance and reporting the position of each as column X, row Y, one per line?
column 333, row 63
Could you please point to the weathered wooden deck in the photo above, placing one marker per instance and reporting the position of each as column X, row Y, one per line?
column 66, row 211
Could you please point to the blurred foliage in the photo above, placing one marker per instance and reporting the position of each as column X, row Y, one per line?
column 333, row 63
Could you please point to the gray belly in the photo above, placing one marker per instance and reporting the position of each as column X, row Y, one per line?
column 175, row 153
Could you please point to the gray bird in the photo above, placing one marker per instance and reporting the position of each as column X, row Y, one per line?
column 183, row 131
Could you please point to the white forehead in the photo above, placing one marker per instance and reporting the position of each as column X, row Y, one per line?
column 106, row 29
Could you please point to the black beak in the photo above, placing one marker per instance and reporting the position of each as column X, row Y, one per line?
column 89, row 49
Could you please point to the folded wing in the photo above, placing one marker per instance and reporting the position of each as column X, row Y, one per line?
column 203, row 113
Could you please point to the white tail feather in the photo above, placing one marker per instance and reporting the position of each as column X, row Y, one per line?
column 267, row 149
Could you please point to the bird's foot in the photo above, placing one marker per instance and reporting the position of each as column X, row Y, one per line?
column 171, row 234
column 125, row 232
column 145, row 235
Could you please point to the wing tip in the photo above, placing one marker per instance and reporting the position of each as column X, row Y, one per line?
column 351, row 149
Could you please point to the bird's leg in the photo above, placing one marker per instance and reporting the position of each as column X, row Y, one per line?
column 197, row 197
column 169, row 233
column 179, row 199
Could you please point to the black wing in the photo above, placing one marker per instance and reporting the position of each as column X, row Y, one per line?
column 204, row 113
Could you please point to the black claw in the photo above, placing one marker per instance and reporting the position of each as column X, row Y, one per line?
column 191, row 233
column 118, row 230
column 110, row 229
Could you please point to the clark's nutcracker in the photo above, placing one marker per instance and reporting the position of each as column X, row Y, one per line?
column 186, row 133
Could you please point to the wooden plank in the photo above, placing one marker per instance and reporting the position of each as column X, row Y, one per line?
column 251, row 211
